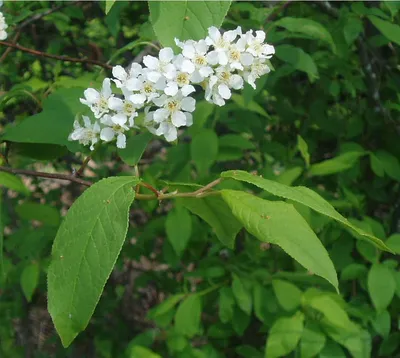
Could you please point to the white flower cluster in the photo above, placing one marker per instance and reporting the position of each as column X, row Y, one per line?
column 163, row 87
column 3, row 25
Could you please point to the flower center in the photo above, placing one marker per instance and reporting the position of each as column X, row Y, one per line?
column 173, row 106
column 200, row 60
column 128, row 108
column 234, row 55
column 148, row 88
column 116, row 128
column 103, row 104
column 182, row 79
column 225, row 76
column 221, row 43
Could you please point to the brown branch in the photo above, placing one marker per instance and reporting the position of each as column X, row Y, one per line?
column 56, row 57
column 46, row 175
column 275, row 13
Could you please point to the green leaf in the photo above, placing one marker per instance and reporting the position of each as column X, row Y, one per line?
column 336, row 165
column 226, row 304
column 307, row 27
column 376, row 165
column 85, row 250
column 312, row 341
column 54, row 124
column 381, row 286
column 109, row 4
column 389, row 163
column 135, row 147
column 299, row 59
column 303, row 196
column 1, row 239
column 30, row 280
column 142, row 352
column 303, row 148
column 381, row 323
column 204, row 150
column 352, row 29
column 214, row 211
column 389, row 30
column 287, row 294
column 235, row 141
column 165, row 306
column 40, row 212
column 188, row 316
column 12, row 182
column 331, row 350
column 279, row 223
column 284, row 336
column 393, row 242
column 191, row 19
column 179, row 229
column 242, row 294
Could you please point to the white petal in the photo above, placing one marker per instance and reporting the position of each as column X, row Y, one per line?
column 107, row 134
column 106, row 90
column 160, row 115
column 206, row 71
column 91, row 95
column 246, row 58
column 260, row 35
column 223, row 58
column 119, row 72
column 197, row 77
column 214, row 33
column 151, row 62
column 121, row 141
column 160, row 101
column 137, row 98
column 188, row 66
column 166, row 54
column 224, row 91
column 178, row 119
column 172, row 134
column 153, row 76
column 201, row 47
column 119, row 119
column 134, row 84
column 188, row 104
column 86, row 121
column 189, row 51
column 171, row 89
column 170, row 71
column 187, row 90
column 116, row 104
column 236, row 82
column 213, row 57
column 189, row 119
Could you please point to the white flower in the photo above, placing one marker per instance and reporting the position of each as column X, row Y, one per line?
column 196, row 51
column 181, row 80
column 3, row 27
column 111, row 130
column 255, row 71
column 255, row 44
column 237, row 58
column 221, row 45
column 123, row 78
column 98, row 101
column 144, row 88
column 89, row 133
column 160, row 66
column 219, row 86
column 175, row 109
column 126, row 109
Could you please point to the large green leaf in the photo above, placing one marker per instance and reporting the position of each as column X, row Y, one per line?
column 279, row 223
column 214, row 211
column 312, row 341
column 204, row 150
column 29, row 280
column 303, row 196
column 54, row 124
column 242, row 294
column 287, row 294
column 190, row 19
column 299, row 59
column 307, row 27
column 389, row 30
column 85, row 250
column 284, row 336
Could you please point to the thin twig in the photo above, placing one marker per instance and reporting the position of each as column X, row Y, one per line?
column 46, row 175
column 9, row 49
column 56, row 57
column 278, row 11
